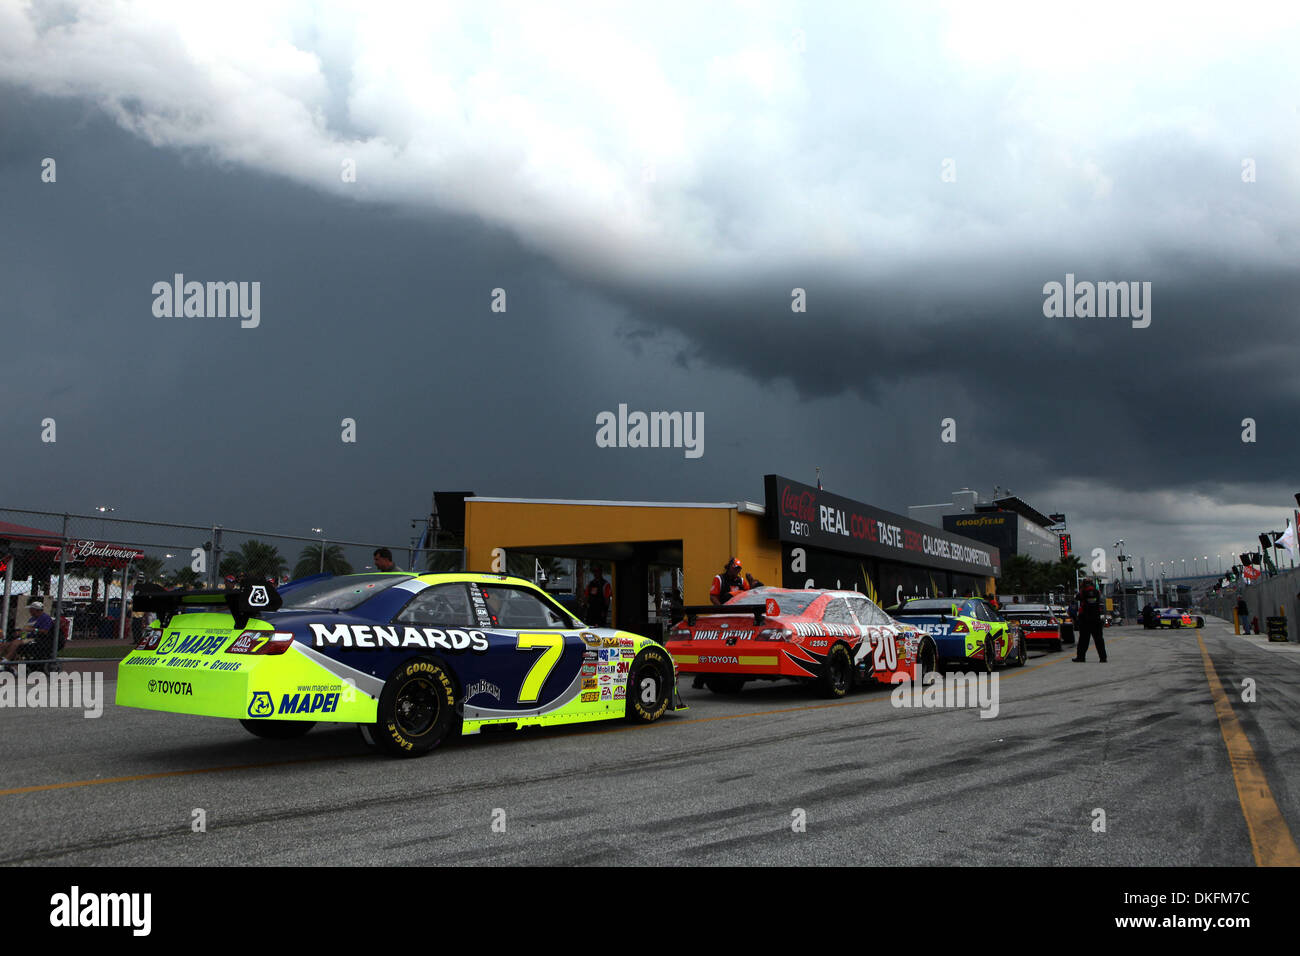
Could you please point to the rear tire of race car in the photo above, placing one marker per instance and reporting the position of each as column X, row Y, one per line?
column 990, row 656
column 649, row 686
column 837, row 675
column 278, row 729
column 417, row 709
column 1022, row 652
column 927, row 660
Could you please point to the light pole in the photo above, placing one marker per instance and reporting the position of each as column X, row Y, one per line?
column 1123, row 580
column 103, row 510
column 321, row 532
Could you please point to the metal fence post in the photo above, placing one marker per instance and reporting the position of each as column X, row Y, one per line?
column 58, row 601
column 215, row 570
column 121, row 618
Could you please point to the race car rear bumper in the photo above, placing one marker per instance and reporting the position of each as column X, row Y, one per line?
column 294, row 685
column 1031, row 636
column 744, row 658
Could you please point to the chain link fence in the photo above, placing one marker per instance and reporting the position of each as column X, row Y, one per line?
column 64, row 575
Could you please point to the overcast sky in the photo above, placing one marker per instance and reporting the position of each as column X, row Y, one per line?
column 648, row 184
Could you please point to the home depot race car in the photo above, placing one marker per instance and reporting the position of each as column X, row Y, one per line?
column 1038, row 623
column 408, row 658
column 832, row 639
column 1176, row 617
column 966, row 631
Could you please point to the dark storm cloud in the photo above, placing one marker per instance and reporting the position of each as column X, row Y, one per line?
column 648, row 198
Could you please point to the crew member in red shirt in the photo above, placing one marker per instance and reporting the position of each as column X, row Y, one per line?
column 729, row 583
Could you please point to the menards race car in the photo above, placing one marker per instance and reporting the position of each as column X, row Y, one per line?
column 828, row 638
column 1038, row 623
column 408, row 658
column 967, row 631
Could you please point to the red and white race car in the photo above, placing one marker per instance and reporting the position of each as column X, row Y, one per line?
column 832, row 639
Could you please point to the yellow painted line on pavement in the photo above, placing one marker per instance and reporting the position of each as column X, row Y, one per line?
column 1270, row 838
column 166, row 773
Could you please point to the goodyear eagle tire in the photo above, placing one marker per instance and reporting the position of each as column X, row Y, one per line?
column 417, row 709
column 837, row 677
column 1022, row 653
column 649, row 686
column 278, row 729
column 927, row 660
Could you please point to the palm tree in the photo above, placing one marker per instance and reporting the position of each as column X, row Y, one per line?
column 309, row 561
column 186, row 577
column 255, row 559
column 149, row 569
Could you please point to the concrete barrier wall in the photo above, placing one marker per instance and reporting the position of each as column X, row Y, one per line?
column 1267, row 598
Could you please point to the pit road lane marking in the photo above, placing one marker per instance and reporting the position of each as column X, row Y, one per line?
column 1270, row 838
column 162, row 774
column 170, row 773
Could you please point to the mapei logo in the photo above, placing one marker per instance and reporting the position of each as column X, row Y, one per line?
column 257, row 597
column 261, row 705
column 194, row 644
column 309, row 703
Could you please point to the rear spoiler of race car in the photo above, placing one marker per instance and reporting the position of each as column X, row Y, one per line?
column 692, row 611
column 242, row 601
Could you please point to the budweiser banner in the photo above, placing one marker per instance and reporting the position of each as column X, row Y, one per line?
column 99, row 554
column 801, row 514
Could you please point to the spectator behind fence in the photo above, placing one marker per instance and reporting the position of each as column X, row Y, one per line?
column 39, row 629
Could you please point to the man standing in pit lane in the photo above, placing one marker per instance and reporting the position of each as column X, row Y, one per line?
column 1089, row 618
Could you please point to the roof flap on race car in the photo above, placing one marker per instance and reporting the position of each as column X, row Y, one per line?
column 247, row 598
column 692, row 611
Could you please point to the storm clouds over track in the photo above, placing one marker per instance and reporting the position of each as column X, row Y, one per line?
column 649, row 188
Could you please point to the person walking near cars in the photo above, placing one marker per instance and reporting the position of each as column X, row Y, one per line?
column 1243, row 612
column 598, row 595
column 1089, row 620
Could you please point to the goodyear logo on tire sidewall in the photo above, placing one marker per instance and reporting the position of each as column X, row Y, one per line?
column 650, row 710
